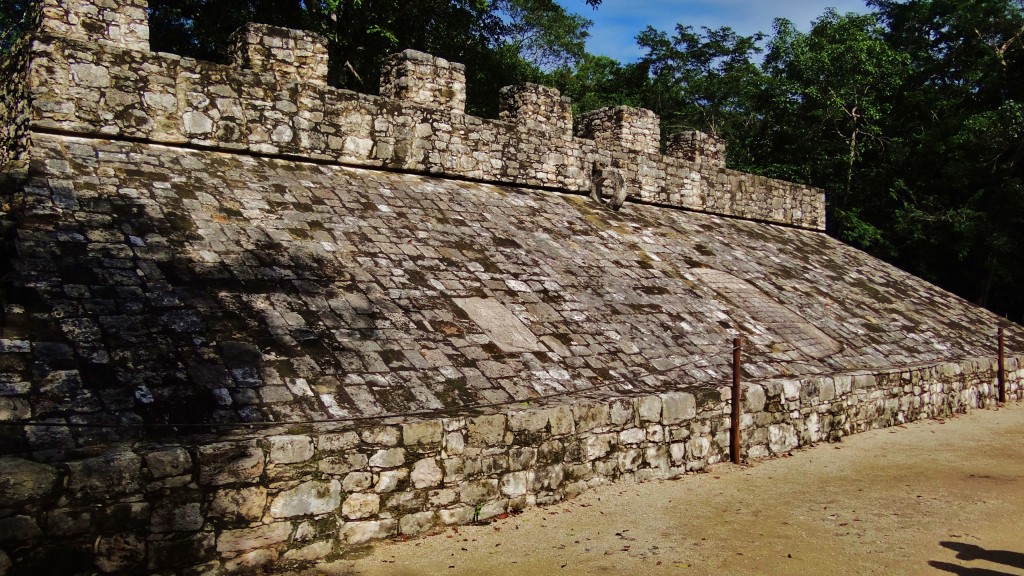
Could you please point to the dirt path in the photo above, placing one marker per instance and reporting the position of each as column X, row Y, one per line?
column 906, row 500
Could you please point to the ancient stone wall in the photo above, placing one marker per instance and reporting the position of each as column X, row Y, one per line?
column 15, row 133
column 103, row 81
column 293, row 495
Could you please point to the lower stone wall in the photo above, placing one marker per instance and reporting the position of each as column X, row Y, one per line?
column 15, row 115
column 223, row 505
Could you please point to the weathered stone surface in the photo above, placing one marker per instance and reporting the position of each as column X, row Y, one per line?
column 417, row 433
column 678, row 407
column 389, row 458
column 290, row 449
column 120, row 553
column 250, row 561
column 168, row 462
column 18, row 529
column 782, row 438
column 230, row 462
column 172, row 516
column 412, row 524
column 24, row 481
column 507, row 331
column 307, row 498
column 315, row 551
column 113, row 473
column 426, row 473
column 359, row 532
column 361, row 505
column 254, row 538
column 487, row 430
column 239, row 504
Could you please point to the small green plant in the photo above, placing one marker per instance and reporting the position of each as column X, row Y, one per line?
column 476, row 512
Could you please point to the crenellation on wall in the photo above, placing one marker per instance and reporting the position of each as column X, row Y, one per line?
column 417, row 77
column 281, row 106
column 536, row 107
column 633, row 130
column 289, row 54
column 123, row 23
column 696, row 146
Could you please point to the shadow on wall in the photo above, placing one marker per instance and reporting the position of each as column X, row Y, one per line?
column 971, row 552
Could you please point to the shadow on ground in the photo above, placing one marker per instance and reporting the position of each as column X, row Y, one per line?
column 971, row 552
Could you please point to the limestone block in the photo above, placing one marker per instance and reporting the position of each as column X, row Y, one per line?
column 516, row 484
column 621, row 411
column 590, row 415
column 598, row 446
column 422, row 433
column 337, row 442
column 229, row 462
column 290, row 449
column 382, row 435
column 314, row 551
column 361, row 505
column 388, row 458
column 250, row 561
column 390, row 480
column 649, row 408
column 629, row 459
column 677, row 407
column 528, row 421
column 308, row 498
column 190, row 550
column 698, row 447
column 65, row 522
column 103, row 476
column 254, row 538
column 18, row 529
column 356, row 481
column 560, row 418
column 359, row 532
column 168, row 462
column 239, row 504
column 486, row 430
column 426, row 473
column 478, row 491
column 632, row 436
column 120, row 553
column 169, row 515
column 755, row 398
column 412, row 524
column 24, row 481
column 457, row 515
column 782, row 438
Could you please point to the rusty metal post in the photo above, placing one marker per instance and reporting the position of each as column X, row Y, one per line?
column 1002, row 366
column 736, row 367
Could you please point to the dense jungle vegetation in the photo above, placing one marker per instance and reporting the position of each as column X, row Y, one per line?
column 910, row 116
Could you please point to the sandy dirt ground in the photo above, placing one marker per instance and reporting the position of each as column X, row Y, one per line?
column 936, row 497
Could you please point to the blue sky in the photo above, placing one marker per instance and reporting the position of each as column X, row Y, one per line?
column 617, row 22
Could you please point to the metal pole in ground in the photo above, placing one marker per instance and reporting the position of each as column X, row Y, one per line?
column 736, row 366
column 1002, row 366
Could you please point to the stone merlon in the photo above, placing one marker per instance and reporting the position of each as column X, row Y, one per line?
column 82, row 77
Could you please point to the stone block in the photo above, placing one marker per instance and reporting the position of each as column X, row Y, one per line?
column 622, row 411
column 258, row 537
column 382, row 435
column 196, row 548
column 308, row 498
column 632, row 436
column 360, row 505
column 678, row 407
column 171, row 515
column 18, row 529
column 356, row 481
column 528, row 421
column 360, row 532
column 310, row 553
column 478, row 491
column 590, row 415
column 388, row 458
column 486, row 430
column 426, row 473
column 649, row 408
column 337, row 442
column 422, row 433
column 230, row 462
column 239, row 504
column 516, row 484
column 120, row 553
column 412, row 524
column 66, row 522
column 390, row 480
column 24, row 481
column 250, row 561
column 782, row 438
column 168, row 462
column 290, row 449
column 105, row 476
column 561, row 421
column 755, row 398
